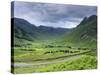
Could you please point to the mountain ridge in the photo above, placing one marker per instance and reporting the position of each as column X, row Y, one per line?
column 85, row 34
column 29, row 32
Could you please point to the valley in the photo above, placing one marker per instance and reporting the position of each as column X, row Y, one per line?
column 47, row 49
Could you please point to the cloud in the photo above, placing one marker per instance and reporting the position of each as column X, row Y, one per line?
column 56, row 15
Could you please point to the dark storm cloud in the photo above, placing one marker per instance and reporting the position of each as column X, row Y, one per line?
column 56, row 15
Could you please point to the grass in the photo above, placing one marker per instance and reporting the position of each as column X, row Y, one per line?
column 25, row 55
column 82, row 63
column 37, row 54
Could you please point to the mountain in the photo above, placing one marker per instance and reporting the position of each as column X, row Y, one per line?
column 51, row 32
column 25, row 32
column 85, row 34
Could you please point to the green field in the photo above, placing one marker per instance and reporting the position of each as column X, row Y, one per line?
column 46, row 58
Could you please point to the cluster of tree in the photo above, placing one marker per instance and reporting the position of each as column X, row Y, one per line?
column 64, row 51
column 27, row 49
column 16, row 45
column 82, row 48
column 52, row 46
column 94, row 49
column 49, row 46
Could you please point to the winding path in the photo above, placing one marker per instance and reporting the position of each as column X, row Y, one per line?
column 44, row 63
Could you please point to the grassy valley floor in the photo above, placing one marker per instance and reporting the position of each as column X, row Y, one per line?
column 49, row 58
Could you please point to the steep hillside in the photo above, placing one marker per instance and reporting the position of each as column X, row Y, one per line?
column 85, row 34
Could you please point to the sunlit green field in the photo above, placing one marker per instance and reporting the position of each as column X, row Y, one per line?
column 48, row 57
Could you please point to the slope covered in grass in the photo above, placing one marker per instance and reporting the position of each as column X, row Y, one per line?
column 85, row 34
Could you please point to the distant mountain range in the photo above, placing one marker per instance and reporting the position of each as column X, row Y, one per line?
column 24, row 31
column 85, row 34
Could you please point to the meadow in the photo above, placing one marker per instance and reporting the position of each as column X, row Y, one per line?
column 47, row 57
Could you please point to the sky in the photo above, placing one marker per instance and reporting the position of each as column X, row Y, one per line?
column 53, row 15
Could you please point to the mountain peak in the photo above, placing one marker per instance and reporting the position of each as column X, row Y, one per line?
column 87, row 19
column 84, row 20
column 92, row 17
